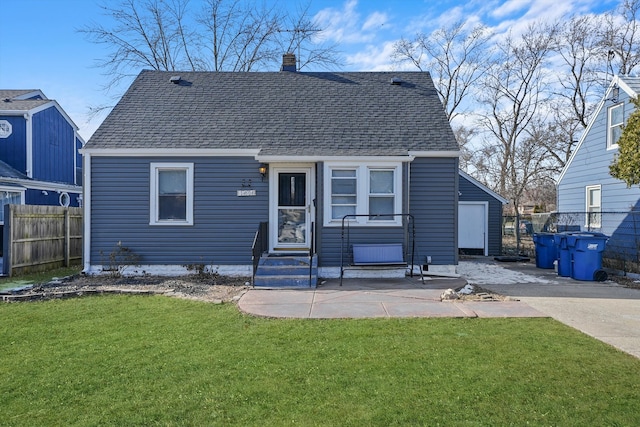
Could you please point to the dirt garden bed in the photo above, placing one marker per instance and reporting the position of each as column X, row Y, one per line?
column 208, row 288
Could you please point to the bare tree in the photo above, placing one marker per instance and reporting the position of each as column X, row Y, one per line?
column 620, row 35
column 464, row 135
column 578, row 45
column 558, row 133
column 224, row 35
column 149, row 34
column 239, row 36
column 514, row 91
column 301, row 35
column 455, row 56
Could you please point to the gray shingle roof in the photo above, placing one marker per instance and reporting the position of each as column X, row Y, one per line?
column 7, row 171
column 9, row 103
column 281, row 113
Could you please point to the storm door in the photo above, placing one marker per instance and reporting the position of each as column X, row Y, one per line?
column 291, row 208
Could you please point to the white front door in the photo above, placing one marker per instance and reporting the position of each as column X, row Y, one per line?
column 290, row 217
column 472, row 226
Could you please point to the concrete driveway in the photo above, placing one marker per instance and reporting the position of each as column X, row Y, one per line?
column 606, row 311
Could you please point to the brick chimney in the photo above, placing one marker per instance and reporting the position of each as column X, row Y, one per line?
column 289, row 62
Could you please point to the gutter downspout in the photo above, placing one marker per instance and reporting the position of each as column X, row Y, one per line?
column 86, row 212
column 29, row 145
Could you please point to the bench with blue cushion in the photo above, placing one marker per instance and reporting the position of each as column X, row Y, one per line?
column 380, row 255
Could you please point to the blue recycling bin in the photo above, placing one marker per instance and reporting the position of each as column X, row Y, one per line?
column 564, row 254
column 545, row 249
column 586, row 251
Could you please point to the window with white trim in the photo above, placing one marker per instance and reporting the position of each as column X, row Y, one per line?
column 369, row 189
column 344, row 192
column 593, row 206
column 615, row 122
column 8, row 197
column 171, row 198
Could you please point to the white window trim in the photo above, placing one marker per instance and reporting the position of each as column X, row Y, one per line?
column 153, row 193
column 610, row 143
column 21, row 191
column 362, row 193
column 587, row 206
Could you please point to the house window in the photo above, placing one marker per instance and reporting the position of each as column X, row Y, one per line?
column 381, row 194
column 593, row 206
column 372, row 190
column 616, row 120
column 344, row 193
column 171, row 201
column 9, row 198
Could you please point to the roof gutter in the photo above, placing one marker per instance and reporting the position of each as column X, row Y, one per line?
column 309, row 159
column 435, row 153
column 169, row 152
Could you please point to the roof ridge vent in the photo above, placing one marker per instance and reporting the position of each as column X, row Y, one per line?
column 396, row 81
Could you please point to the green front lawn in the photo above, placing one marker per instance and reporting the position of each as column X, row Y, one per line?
column 133, row 360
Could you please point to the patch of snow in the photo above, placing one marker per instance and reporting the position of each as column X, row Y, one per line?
column 467, row 290
column 478, row 273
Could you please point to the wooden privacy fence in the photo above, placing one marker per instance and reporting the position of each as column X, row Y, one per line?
column 40, row 238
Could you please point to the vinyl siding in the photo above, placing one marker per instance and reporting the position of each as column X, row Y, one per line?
column 433, row 201
column 469, row 192
column 52, row 198
column 13, row 149
column 224, row 224
column 590, row 166
column 54, row 144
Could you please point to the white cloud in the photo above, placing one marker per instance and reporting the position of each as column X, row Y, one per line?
column 341, row 26
column 374, row 58
column 509, row 8
column 347, row 26
column 375, row 21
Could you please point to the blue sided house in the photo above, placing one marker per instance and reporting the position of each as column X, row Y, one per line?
column 40, row 162
column 243, row 173
column 585, row 185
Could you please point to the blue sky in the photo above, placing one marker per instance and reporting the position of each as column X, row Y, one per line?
column 40, row 47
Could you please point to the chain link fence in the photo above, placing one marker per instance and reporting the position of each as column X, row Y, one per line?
column 623, row 229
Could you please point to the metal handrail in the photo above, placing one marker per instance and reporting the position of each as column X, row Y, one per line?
column 311, row 252
column 259, row 246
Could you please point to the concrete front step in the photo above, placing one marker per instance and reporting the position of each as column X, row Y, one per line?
column 285, row 281
column 286, row 272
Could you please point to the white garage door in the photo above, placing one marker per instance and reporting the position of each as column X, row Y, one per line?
column 473, row 226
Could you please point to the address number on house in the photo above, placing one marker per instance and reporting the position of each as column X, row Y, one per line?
column 246, row 193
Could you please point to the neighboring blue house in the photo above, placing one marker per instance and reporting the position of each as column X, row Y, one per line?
column 187, row 167
column 585, row 185
column 40, row 163
column 480, row 218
